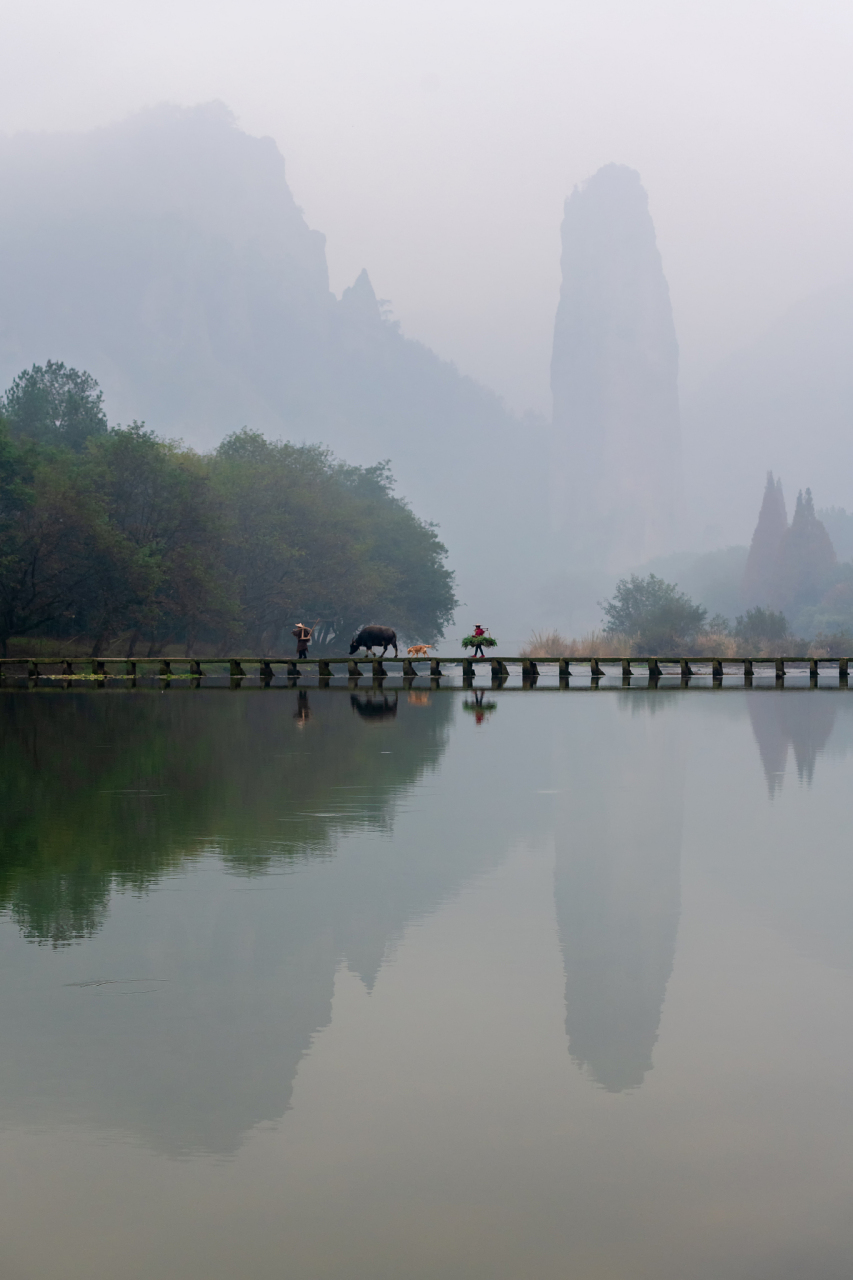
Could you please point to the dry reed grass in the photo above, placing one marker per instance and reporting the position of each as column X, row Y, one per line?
column 716, row 644
column 595, row 644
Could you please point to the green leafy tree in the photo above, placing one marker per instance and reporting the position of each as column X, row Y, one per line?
column 55, row 542
column 53, row 405
column 159, row 500
column 121, row 537
column 655, row 613
column 718, row 625
column 312, row 538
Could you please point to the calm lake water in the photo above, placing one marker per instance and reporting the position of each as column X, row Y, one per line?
column 307, row 985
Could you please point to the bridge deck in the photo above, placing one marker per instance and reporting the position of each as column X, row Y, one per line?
column 87, row 668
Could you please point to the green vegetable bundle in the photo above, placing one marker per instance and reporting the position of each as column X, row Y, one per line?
column 487, row 642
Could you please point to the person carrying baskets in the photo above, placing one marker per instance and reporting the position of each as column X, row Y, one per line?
column 303, row 638
column 477, row 639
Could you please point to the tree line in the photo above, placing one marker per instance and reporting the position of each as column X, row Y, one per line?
column 116, row 539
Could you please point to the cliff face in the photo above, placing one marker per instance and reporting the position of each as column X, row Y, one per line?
column 165, row 255
column 614, row 376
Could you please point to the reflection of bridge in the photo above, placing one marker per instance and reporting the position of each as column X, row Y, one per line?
column 195, row 669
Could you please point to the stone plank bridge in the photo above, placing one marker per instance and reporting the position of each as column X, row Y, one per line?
column 70, row 671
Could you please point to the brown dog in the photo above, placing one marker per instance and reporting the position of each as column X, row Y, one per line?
column 420, row 650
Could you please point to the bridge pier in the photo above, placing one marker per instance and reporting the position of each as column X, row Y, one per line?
column 717, row 670
column 780, row 671
column 843, row 670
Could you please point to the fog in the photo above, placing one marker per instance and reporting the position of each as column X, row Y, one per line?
column 435, row 147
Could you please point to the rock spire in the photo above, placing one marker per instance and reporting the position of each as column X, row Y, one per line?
column 806, row 558
column 614, row 377
column 762, row 561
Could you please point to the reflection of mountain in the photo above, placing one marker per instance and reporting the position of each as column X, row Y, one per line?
column 617, row 890
column 802, row 719
column 160, row 784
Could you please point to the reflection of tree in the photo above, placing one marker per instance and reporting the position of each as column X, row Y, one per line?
column 158, row 783
column 112, row 791
column 798, row 718
column 617, row 890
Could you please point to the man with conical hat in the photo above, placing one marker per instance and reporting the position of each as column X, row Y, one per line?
column 303, row 639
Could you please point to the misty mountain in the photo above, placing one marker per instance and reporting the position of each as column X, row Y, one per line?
column 166, row 256
column 783, row 402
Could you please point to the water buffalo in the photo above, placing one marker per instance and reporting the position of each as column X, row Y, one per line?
column 368, row 637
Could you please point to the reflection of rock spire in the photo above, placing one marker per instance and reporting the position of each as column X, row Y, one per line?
column 617, row 897
column 801, row 719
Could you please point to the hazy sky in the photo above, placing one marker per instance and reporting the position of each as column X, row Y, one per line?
column 435, row 143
